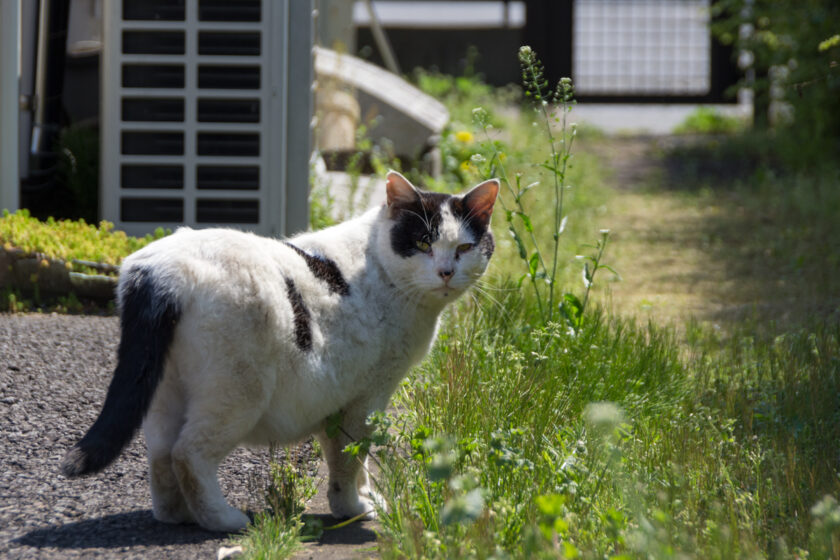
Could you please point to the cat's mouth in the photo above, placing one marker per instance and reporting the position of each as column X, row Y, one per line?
column 445, row 291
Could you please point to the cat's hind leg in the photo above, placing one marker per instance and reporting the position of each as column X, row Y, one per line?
column 161, row 429
column 210, row 433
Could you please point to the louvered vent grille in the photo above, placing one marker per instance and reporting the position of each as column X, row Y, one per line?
column 194, row 127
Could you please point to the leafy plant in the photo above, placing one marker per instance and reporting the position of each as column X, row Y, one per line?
column 277, row 532
column 796, row 74
column 708, row 120
column 70, row 240
column 542, row 260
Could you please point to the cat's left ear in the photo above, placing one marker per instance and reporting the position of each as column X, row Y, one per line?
column 479, row 201
column 399, row 190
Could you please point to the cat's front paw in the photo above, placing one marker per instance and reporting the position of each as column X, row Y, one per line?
column 345, row 504
column 175, row 512
column 228, row 520
column 375, row 498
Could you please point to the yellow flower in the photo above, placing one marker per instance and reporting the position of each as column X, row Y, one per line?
column 464, row 136
column 465, row 166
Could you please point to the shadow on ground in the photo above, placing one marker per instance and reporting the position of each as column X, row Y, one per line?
column 354, row 534
column 116, row 531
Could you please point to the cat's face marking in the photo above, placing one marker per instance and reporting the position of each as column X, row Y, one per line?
column 444, row 241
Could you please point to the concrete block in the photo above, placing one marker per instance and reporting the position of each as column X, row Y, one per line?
column 410, row 119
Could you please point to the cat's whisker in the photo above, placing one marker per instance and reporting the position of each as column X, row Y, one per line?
column 480, row 291
column 426, row 222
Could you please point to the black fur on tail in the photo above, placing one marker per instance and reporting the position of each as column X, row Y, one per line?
column 149, row 314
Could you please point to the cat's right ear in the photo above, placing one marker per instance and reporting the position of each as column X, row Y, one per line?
column 399, row 190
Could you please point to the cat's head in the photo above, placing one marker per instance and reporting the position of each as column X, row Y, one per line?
column 438, row 244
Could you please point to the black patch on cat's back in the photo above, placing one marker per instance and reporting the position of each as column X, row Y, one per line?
column 324, row 269
column 416, row 221
column 303, row 330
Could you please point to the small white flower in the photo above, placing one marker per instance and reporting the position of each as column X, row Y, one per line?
column 604, row 416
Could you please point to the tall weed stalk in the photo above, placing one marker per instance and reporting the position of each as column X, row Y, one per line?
column 542, row 258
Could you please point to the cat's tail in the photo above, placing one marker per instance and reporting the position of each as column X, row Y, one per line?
column 149, row 314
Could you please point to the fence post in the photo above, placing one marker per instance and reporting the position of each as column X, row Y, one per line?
column 299, row 115
column 9, row 104
column 548, row 30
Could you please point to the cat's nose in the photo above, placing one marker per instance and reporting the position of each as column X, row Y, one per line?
column 445, row 273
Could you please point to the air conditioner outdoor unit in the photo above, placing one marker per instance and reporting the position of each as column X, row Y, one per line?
column 205, row 117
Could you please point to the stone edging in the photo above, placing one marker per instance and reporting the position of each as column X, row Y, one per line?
column 31, row 272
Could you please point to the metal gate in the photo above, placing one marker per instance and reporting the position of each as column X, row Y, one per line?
column 205, row 114
column 659, row 51
column 639, row 51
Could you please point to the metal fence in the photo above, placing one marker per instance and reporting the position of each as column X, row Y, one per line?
column 641, row 47
column 615, row 50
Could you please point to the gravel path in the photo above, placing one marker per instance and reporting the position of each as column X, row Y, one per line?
column 54, row 370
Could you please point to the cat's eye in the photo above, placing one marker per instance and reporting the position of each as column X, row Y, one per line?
column 463, row 248
column 423, row 246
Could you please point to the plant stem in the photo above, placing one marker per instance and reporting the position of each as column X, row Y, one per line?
column 602, row 246
column 517, row 199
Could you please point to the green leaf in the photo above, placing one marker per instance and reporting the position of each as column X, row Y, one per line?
column 611, row 269
column 334, row 424
column 551, row 505
column 527, row 221
column 829, row 43
column 533, row 264
column 572, row 309
column 570, row 550
column 523, row 254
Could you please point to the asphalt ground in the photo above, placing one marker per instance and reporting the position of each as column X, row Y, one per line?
column 54, row 371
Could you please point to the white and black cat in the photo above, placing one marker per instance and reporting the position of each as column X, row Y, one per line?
column 230, row 338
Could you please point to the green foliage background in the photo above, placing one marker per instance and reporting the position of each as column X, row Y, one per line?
column 796, row 60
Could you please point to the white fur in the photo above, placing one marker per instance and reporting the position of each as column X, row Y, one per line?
column 235, row 374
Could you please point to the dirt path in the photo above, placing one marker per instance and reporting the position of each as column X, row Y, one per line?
column 353, row 542
column 685, row 254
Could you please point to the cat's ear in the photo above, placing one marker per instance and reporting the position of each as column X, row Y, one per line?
column 399, row 190
column 479, row 201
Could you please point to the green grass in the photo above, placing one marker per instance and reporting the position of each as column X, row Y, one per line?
column 518, row 438
column 708, row 120
column 721, row 454
column 618, row 440
column 276, row 532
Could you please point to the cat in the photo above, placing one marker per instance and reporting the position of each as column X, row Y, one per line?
column 229, row 338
